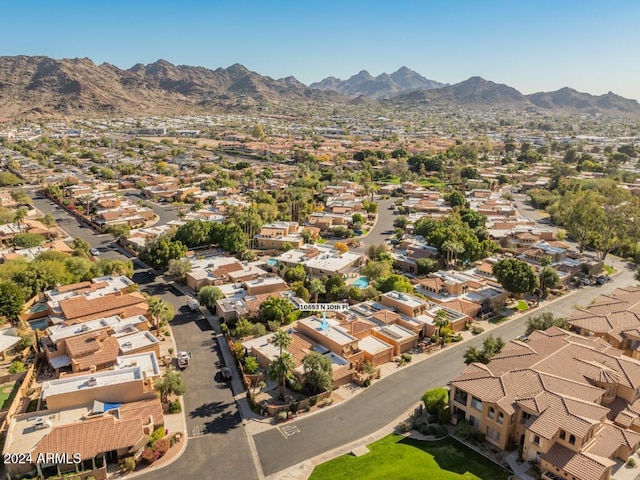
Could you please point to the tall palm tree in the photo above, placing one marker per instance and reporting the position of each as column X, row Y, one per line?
column 19, row 216
column 452, row 248
column 159, row 310
column 282, row 340
column 316, row 287
column 441, row 320
column 282, row 369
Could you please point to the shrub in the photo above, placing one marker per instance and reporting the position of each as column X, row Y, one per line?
column 282, row 415
column 128, row 464
column 406, row 426
column 467, row 432
column 293, row 407
column 436, row 400
column 313, row 400
column 162, row 446
column 16, row 367
column 477, row 330
column 157, row 434
column 406, row 357
column 632, row 462
column 444, row 416
column 149, row 455
column 175, row 407
column 224, row 330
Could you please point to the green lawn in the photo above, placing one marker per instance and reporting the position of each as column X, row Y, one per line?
column 391, row 180
column 522, row 306
column 321, row 240
column 432, row 182
column 610, row 270
column 497, row 319
column 399, row 458
column 7, row 394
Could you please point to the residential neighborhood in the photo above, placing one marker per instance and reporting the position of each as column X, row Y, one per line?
column 156, row 290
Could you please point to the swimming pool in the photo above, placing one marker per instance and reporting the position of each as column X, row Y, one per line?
column 362, row 282
column 38, row 307
column 39, row 324
column 272, row 262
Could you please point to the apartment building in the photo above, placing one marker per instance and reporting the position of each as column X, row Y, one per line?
column 99, row 433
column 571, row 403
column 275, row 236
column 422, row 311
column 614, row 317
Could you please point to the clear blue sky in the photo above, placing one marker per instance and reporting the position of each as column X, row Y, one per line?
column 532, row 45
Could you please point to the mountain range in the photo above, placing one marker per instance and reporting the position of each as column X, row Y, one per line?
column 44, row 87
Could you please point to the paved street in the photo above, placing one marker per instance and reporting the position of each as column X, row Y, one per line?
column 387, row 399
column 217, row 441
column 383, row 224
column 165, row 212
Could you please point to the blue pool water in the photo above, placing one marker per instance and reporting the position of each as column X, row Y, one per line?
column 362, row 282
column 272, row 262
column 38, row 324
column 38, row 307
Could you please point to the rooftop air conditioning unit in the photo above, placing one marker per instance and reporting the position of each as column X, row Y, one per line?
column 39, row 423
column 92, row 382
column 127, row 344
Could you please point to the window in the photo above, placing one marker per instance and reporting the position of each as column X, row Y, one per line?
column 525, row 416
column 474, row 422
column 500, row 418
column 493, row 434
column 563, row 434
column 476, row 403
column 461, row 397
column 572, row 439
column 492, row 413
column 536, row 440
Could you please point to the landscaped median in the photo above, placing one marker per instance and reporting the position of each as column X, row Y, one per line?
column 400, row 458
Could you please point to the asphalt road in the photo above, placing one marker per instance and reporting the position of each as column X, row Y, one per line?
column 392, row 396
column 376, row 235
column 166, row 212
column 217, row 440
column 218, row 443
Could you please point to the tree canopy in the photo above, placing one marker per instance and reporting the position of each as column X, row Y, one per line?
column 275, row 309
column 543, row 321
column 490, row 347
column 12, row 300
column 318, row 372
column 516, row 276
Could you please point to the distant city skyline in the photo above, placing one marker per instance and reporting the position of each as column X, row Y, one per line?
column 533, row 46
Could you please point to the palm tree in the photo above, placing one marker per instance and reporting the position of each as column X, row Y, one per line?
column 282, row 369
column 281, row 340
column 19, row 216
column 441, row 320
column 452, row 249
column 316, row 287
column 159, row 310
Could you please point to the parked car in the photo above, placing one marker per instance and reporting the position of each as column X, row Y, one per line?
column 184, row 359
column 95, row 252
